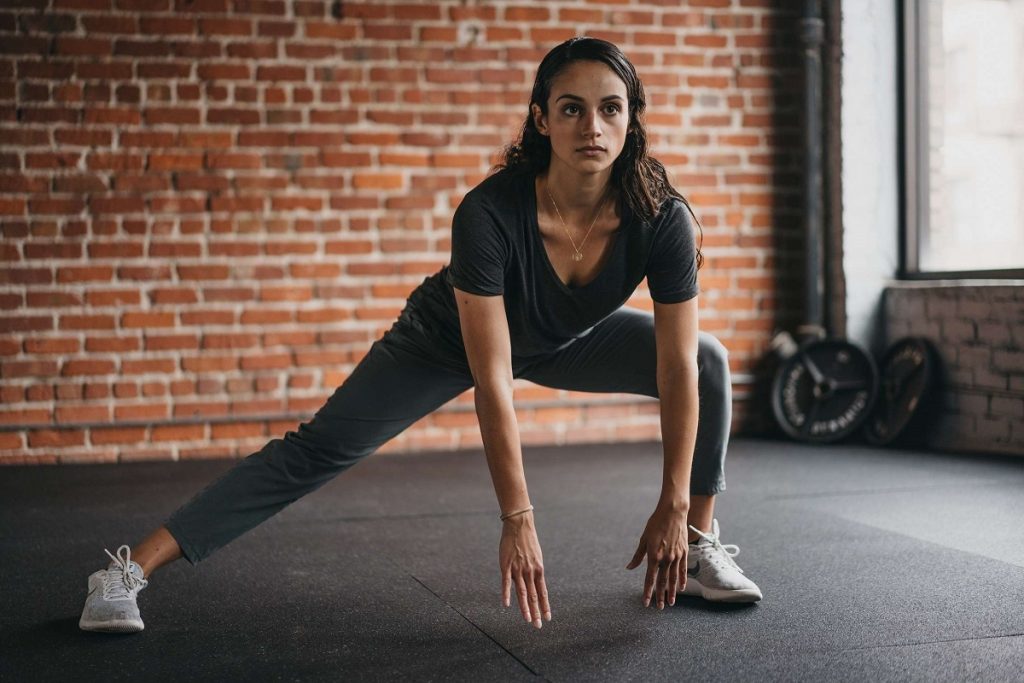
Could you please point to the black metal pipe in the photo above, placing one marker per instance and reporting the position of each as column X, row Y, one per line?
column 812, row 36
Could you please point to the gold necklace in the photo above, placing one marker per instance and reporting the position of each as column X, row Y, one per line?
column 577, row 253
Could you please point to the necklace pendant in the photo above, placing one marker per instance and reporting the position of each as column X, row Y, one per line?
column 577, row 256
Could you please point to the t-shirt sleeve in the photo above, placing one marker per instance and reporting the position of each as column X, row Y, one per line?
column 480, row 252
column 672, row 267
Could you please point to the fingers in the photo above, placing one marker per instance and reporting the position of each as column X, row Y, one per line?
column 532, row 594
column 540, row 609
column 662, row 582
column 638, row 556
column 673, row 581
column 663, row 579
column 683, row 562
column 652, row 573
column 524, row 598
column 506, row 588
column 542, row 592
column 534, row 603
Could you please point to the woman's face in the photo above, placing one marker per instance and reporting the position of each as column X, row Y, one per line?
column 587, row 107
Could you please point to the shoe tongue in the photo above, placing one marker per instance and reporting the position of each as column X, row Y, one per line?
column 133, row 567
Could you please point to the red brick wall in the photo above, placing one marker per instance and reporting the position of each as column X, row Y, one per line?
column 211, row 208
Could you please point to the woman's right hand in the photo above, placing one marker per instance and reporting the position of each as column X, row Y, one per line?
column 522, row 567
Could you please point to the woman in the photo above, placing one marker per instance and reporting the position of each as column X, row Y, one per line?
column 545, row 252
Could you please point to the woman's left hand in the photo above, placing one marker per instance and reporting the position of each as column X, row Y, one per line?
column 664, row 543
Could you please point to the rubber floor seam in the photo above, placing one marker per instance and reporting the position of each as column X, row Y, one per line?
column 478, row 628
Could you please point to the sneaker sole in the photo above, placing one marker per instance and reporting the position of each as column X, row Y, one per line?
column 111, row 626
column 694, row 588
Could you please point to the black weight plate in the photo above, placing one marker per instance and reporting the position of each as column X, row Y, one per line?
column 905, row 378
column 825, row 391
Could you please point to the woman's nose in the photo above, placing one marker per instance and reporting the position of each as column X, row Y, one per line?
column 590, row 124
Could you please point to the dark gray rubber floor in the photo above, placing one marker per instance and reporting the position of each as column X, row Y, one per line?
column 875, row 565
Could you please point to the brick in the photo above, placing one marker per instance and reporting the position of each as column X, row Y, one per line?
column 170, row 342
column 263, row 407
column 148, row 273
column 994, row 334
column 178, row 433
column 65, row 415
column 267, row 361
column 147, row 320
column 229, row 341
column 162, row 296
column 112, row 344
column 994, row 429
column 1008, row 361
column 1008, row 405
column 52, row 251
column 34, row 275
column 24, row 417
column 314, row 270
column 52, row 346
column 154, row 389
column 209, row 363
column 272, row 317
column 73, row 368
column 25, row 323
column 55, row 438
column 34, row 368
column 527, row 14
column 969, row 309
column 958, row 331
column 147, row 366
column 984, row 376
column 237, row 430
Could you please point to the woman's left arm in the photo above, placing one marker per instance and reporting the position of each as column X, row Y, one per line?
column 664, row 541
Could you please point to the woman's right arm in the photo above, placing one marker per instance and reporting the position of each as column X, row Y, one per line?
column 489, row 354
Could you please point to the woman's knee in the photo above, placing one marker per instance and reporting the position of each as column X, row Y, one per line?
column 712, row 358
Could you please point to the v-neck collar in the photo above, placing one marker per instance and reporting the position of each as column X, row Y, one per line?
column 534, row 225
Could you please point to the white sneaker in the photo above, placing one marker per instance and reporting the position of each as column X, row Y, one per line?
column 712, row 574
column 111, row 603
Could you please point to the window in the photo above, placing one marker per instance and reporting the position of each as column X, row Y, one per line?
column 964, row 138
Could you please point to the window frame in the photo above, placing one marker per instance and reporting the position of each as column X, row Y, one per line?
column 913, row 144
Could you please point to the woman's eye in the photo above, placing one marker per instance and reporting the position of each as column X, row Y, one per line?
column 609, row 110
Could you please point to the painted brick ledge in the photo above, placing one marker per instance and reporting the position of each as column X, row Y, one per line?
column 543, row 422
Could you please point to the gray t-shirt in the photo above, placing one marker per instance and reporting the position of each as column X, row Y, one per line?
column 497, row 249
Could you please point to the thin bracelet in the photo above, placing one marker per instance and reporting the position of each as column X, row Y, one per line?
column 517, row 512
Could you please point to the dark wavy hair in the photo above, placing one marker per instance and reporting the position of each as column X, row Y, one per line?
column 640, row 178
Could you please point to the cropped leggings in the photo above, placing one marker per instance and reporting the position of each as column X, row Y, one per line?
column 393, row 386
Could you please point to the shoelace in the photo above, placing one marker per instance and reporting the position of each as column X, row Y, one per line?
column 718, row 553
column 118, row 582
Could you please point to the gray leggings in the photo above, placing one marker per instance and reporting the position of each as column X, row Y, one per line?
column 393, row 386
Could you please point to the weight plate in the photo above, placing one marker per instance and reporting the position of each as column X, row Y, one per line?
column 825, row 391
column 905, row 378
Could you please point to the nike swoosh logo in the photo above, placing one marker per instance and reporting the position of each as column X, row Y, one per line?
column 695, row 570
